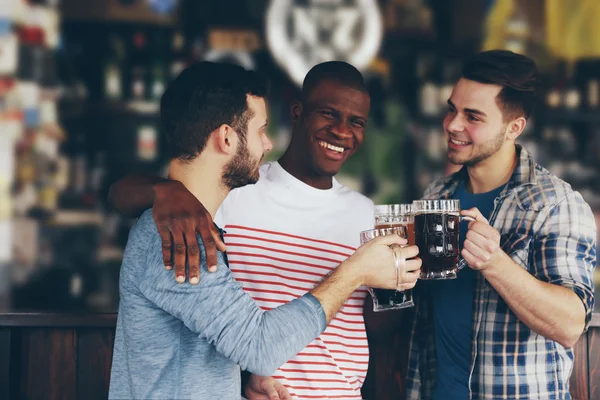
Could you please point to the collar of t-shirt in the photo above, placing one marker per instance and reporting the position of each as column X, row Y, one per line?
column 277, row 174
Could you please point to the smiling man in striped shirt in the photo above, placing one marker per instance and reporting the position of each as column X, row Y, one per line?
column 289, row 230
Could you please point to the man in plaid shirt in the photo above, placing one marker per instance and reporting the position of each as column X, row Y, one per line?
column 505, row 327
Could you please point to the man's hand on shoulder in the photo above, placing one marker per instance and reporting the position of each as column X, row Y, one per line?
column 179, row 216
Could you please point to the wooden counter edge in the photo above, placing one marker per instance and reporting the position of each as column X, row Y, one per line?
column 66, row 320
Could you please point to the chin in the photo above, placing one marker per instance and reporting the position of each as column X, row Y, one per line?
column 325, row 168
column 454, row 161
column 453, row 158
column 327, row 171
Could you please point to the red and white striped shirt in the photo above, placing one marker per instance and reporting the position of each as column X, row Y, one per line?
column 282, row 238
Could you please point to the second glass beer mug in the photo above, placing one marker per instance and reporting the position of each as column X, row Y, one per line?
column 391, row 215
column 437, row 233
column 384, row 299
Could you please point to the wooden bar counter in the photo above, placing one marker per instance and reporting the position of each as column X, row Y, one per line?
column 66, row 356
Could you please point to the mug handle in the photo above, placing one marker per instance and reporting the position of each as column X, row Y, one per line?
column 461, row 261
column 399, row 261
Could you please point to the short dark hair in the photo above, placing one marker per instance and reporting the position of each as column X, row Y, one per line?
column 336, row 71
column 203, row 97
column 516, row 73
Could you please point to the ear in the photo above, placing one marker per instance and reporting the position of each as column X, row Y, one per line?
column 225, row 138
column 515, row 128
column 296, row 110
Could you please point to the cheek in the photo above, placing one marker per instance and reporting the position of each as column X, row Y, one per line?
column 359, row 138
column 479, row 134
column 446, row 122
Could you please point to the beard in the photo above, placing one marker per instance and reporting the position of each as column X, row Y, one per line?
column 242, row 170
column 487, row 150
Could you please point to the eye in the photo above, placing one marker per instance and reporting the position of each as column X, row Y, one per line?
column 358, row 123
column 451, row 109
column 472, row 118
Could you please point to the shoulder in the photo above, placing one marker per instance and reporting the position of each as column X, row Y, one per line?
column 355, row 199
column 144, row 231
column 143, row 247
column 548, row 191
column 438, row 186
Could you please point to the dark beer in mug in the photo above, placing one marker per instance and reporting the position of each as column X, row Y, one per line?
column 384, row 299
column 437, row 236
column 437, row 232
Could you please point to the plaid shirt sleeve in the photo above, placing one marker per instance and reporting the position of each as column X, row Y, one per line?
column 564, row 249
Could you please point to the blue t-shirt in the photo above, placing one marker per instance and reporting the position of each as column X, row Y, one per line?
column 453, row 311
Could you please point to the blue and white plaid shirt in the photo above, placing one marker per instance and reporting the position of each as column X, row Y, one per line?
column 548, row 229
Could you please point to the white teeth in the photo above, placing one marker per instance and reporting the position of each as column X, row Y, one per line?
column 331, row 147
column 459, row 143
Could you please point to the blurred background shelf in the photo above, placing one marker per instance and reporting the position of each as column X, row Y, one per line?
column 80, row 84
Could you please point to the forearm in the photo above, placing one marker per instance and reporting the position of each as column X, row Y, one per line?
column 336, row 288
column 133, row 194
column 278, row 335
column 222, row 313
column 550, row 310
column 286, row 330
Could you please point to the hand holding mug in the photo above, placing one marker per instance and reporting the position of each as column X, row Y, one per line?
column 482, row 242
column 387, row 263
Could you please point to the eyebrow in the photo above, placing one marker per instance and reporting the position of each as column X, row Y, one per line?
column 469, row 110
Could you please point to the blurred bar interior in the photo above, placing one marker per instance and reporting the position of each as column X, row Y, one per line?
column 80, row 83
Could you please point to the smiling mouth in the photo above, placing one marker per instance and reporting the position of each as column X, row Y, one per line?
column 331, row 147
column 459, row 143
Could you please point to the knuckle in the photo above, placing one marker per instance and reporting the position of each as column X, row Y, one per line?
column 193, row 250
column 200, row 218
column 164, row 226
column 179, row 248
column 166, row 244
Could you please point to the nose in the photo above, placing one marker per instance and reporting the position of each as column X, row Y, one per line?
column 267, row 144
column 454, row 123
column 340, row 129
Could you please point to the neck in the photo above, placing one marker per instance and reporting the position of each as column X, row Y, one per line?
column 494, row 171
column 297, row 166
column 203, row 179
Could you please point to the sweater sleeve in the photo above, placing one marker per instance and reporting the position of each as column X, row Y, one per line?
column 218, row 310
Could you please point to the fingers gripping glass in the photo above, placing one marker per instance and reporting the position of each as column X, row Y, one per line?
column 384, row 299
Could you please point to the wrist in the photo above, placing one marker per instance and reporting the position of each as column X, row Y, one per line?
column 353, row 272
column 497, row 266
column 160, row 189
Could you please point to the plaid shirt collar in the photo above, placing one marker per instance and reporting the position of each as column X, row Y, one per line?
column 523, row 174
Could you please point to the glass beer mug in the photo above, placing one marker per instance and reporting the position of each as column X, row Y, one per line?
column 437, row 233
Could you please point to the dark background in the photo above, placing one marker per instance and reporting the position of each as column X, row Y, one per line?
column 101, row 67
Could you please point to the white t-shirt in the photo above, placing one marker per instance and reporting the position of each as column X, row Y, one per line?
column 282, row 238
